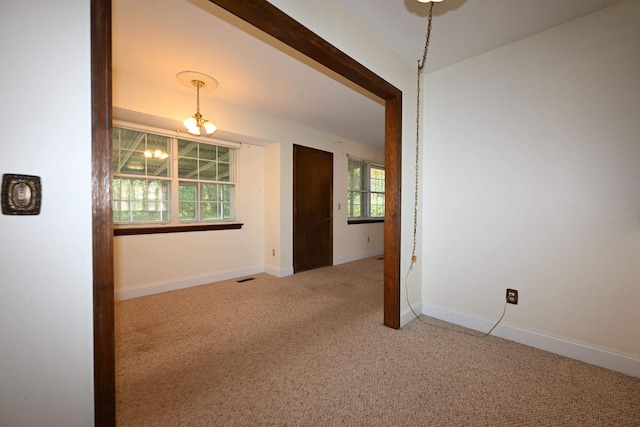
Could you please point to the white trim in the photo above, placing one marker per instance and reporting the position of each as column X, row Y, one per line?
column 172, row 285
column 407, row 315
column 619, row 362
column 365, row 161
column 175, row 134
column 357, row 257
column 279, row 272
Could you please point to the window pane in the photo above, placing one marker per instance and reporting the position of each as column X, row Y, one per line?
column 224, row 172
column 159, row 203
column 146, row 161
column 157, row 142
column 116, row 188
column 209, row 211
column 207, row 152
column 206, row 160
column 139, row 153
column 356, row 175
column 377, row 204
column 115, row 206
column 116, row 199
column 132, row 140
column 157, row 155
column 141, row 200
column 226, row 211
column 226, row 192
column 188, row 168
column 187, row 211
column 224, row 154
column 115, row 138
column 137, row 189
column 377, row 179
column 366, row 190
column 187, row 149
column 125, row 188
column 188, row 191
column 188, row 196
column 207, row 170
column 158, row 167
column 210, row 192
column 131, row 162
column 355, row 204
column 115, row 161
column 125, row 212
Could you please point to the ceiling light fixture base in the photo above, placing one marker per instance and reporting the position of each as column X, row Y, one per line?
column 189, row 79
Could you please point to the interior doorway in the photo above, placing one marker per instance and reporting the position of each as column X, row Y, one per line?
column 266, row 17
column 312, row 208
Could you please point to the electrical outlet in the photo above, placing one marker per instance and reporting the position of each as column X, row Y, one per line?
column 512, row 296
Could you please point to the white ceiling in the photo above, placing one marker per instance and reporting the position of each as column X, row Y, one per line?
column 156, row 39
column 463, row 29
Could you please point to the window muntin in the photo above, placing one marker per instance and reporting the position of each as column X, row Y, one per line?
column 205, row 202
column 366, row 190
column 141, row 200
column 205, row 191
column 140, row 153
column 163, row 180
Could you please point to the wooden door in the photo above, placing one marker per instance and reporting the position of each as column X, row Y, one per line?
column 312, row 208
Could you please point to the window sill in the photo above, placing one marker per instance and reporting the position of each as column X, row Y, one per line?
column 365, row 221
column 155, row 229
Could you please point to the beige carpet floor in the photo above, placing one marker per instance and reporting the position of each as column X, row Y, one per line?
column 311, row 350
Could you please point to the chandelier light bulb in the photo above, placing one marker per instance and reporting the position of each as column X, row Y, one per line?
column 194, row 130
column 190, row 123
column 156, row 154
column 209, row 127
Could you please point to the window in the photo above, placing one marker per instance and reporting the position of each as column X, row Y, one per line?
column 366, row 190
column 164, row 180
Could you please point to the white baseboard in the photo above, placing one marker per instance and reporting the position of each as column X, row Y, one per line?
column 279, row 272
column 593, row 355
column 172, row 285
column 357, row 257
column 407, row 315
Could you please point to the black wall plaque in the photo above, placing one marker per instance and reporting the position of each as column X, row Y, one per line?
column 21, row 194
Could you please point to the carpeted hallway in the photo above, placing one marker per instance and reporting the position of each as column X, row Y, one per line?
column 311, row 350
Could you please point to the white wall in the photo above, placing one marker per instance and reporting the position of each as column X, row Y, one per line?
column 153, row 263
column 273, row 212
column 46, row 332
column 329, row 20
column 159, row 262
column 349, row 241
column 532, row 182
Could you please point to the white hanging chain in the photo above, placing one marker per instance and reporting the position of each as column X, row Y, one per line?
column 414, row 259
column 421, row 65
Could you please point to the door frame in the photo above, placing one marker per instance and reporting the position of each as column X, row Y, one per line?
column 271, row 20
column 296, row 198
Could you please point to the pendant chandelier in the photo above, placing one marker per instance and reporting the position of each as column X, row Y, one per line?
column 197, row 124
